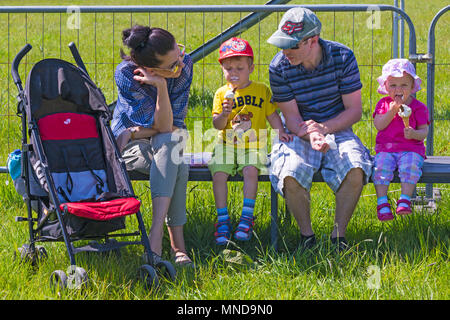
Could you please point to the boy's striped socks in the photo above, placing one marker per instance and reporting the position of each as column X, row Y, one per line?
column 246, row 223
column 222, row 227
column 222, row 214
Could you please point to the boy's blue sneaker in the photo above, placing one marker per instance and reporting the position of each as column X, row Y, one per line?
column 244, row 230
column 222, row 233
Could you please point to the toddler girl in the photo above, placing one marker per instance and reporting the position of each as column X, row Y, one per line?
column 402, row 124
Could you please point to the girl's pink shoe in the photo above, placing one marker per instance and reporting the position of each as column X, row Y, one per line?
column 384, row 216
column 403, row 210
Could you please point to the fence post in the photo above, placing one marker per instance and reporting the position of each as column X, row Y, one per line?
column 398, row 35
column 402, row 31
column 430, row 89
column 395, row 32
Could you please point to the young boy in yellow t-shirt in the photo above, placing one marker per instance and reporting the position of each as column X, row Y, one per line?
column 240, row 110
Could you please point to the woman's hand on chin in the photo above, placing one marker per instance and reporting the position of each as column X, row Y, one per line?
column 145, row 76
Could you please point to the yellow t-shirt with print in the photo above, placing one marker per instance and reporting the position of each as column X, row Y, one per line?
column 246, row 126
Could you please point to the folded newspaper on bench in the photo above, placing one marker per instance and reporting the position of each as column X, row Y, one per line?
column 198, row 159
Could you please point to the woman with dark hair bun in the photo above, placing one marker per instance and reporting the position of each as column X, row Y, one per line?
column 153, row 84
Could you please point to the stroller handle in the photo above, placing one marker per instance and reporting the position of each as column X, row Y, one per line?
column 16, row 62
column 77, row 57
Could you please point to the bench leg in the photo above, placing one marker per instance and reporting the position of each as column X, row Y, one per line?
column 274, row 218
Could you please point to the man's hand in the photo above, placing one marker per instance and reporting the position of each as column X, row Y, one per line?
column 284, row 136
column 318, row 143
column 302, row 130
column 313, row 126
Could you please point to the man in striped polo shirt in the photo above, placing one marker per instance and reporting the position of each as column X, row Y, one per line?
column 317, row 86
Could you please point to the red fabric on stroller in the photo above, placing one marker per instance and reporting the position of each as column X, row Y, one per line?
column 74, row 149
column 67, row 126
column 104, row 210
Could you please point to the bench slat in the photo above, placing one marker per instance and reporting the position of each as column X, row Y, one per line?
column 436, row 169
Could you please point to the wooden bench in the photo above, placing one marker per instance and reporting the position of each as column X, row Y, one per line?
column 436, row 169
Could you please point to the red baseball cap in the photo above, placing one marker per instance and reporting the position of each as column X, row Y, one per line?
column 235, row 47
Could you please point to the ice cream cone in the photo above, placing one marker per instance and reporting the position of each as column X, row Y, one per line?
column 229, row 95
column 405, row 112
column 229, row 100
column 406, row 121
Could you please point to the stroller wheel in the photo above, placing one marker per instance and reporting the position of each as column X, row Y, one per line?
column 24, row 253
column 164, row 267
column 58, row 280
column 33, row 257
column 41, row 253
column 148, row 275
column 166, row 270
column 77, row 277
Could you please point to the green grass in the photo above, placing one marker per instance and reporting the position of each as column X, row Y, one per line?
column 411, row 253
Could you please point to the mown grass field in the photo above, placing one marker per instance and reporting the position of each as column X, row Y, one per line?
column 410, row 254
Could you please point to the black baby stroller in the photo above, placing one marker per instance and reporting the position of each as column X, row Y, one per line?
column 73, row 175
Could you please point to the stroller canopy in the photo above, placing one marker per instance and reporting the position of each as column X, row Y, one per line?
column 55, row 85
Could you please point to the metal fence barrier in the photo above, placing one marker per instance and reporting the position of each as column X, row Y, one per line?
column 199, row 46
column 49, row 29
column 431, row 56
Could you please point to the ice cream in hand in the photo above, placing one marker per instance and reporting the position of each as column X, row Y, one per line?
column 229, row 95
column 405, row 113
column 329, row 138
